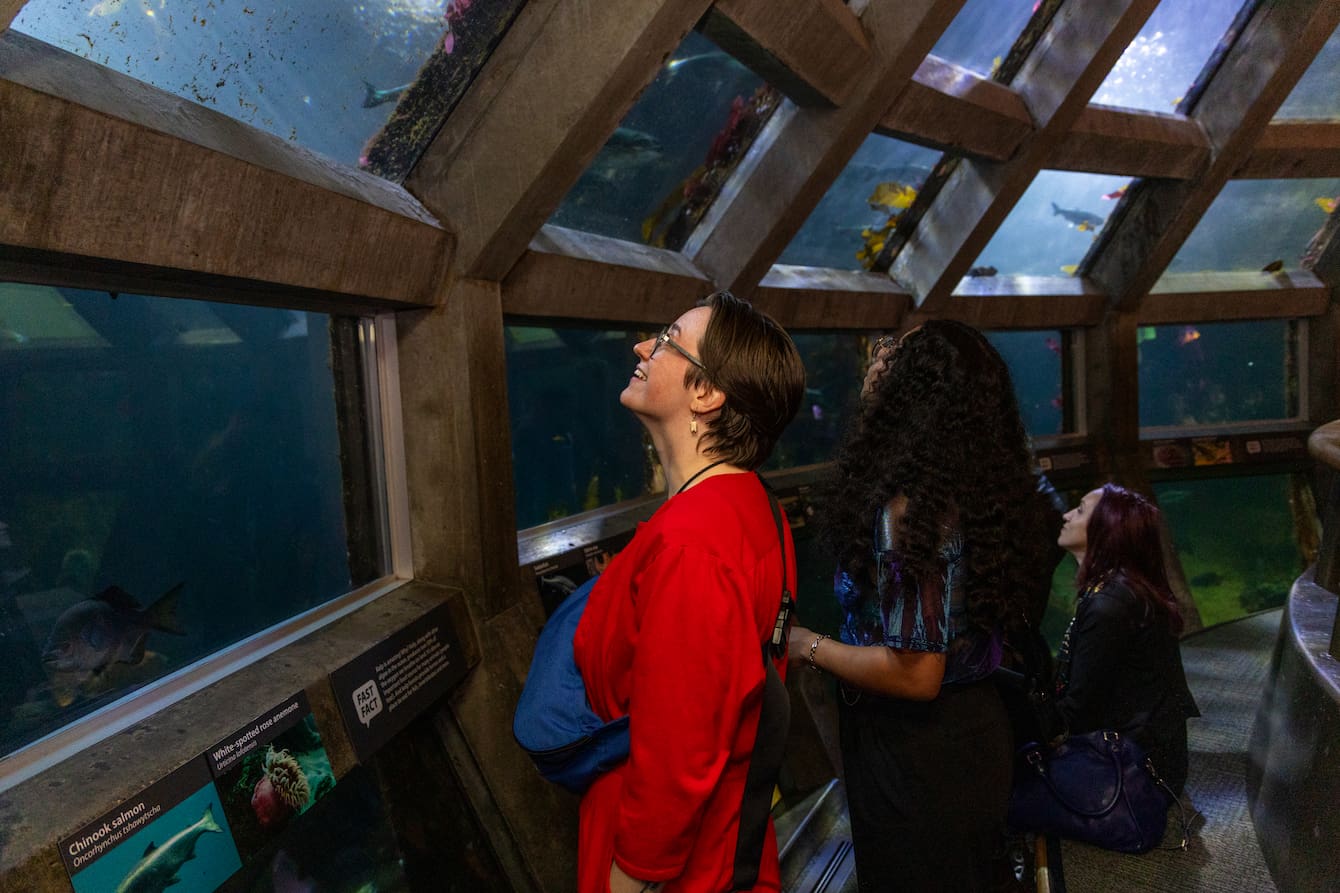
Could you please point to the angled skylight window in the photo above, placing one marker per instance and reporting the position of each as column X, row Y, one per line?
column 1258, row 224
column 1315, row 95
column 326, row 77
column 981, row 35
column 1053, row 225
column 850, row 224
column 661, row 168
column 1160, row 66
column 39, row 316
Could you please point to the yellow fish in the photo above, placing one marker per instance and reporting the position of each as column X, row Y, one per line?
column 892, row 195
column 1327, row 204
column 1069, row 269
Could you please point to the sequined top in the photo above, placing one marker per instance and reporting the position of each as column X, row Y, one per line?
column 912, row 615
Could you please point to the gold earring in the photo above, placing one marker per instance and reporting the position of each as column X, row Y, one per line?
column 693, row 424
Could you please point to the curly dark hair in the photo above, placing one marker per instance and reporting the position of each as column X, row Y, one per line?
column 941, row 427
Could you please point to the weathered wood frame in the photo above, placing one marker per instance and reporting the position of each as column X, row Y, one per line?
column 455, row 260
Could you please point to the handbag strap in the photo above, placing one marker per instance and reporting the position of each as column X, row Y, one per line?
column 1181, row 810
column 770, row 739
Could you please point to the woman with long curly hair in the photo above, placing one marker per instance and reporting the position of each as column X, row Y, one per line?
column 940, row 531
column 1120, row 666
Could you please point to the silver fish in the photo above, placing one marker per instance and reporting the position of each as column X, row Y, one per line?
column 1081, row 219
column 108, row 628
column 372, row 97
column 158, row 867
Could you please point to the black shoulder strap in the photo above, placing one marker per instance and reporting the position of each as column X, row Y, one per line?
column 770, row 740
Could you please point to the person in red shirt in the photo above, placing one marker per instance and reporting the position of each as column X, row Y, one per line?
column 673, row 631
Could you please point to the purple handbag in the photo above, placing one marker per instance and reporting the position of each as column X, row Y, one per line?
column 1098, row 788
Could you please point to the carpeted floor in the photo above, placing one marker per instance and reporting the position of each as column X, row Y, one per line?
column 1226, row 669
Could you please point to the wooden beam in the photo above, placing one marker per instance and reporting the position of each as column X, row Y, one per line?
column 1079, row 47
column 948, row 107
column 1196, row 297
column 1152, row 221
column 9, row 10
column 802, row 150
column 812, row 298
column 1021, row 302
column 811, row 50
column 1133, row 144
column 1294, row 149
column 84, row 185
column 47, row 69
column 568, row 274
column 573, row 69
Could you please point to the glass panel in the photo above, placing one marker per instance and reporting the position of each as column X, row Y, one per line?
column 1258, row 223
column 170, row 486
column 34, row 317
column 1053, row 225
column 657, row 174
column 326, row 76
column 1216, row 373
column 574, row 447
column 1237, row 568
column 834, row 369
column 983, row 32
column 1161, row 64
column 1034, row 359
column 1315, row 95
column 848, row 227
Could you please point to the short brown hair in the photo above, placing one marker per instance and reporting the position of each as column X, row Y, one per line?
column 750, row 359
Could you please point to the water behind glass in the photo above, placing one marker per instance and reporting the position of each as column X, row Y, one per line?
column 171, row 483
column 301, row 71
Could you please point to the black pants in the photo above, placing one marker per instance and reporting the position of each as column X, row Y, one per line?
column 927, row 788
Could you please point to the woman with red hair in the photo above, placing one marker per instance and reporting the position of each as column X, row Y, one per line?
column 1119, row 665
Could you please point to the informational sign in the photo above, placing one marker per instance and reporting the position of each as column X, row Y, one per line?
column 269, row 772
column 556, row 578
column 384, row 688
column 173, row 832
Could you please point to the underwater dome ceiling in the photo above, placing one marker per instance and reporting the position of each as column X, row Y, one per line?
column 954, row 155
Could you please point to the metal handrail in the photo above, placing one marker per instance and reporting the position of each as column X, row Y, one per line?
column 1323, row 445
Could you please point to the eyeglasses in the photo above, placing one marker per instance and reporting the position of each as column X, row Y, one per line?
column 664, row 338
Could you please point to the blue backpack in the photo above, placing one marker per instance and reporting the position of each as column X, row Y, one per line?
column 554, row 722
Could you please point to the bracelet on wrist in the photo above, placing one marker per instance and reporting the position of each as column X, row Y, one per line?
column 814, row 648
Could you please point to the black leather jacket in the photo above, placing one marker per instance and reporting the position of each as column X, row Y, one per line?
column 1120, row 668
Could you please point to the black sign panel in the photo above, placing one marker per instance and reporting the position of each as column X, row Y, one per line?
column 384, row 688
column 261, row 730
column 173, row 828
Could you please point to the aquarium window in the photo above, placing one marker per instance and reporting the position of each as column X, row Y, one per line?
column 574, row 446
column 174, row 480
column 1259, row 226
column 835, row 364
column 360, row 83
column 37, row 317
column 849, row 226
column 667, row 160
column 1218, row 373
column 1160, row 67
column 1035, row 362
column 982, row 34
column 1052, row 226
column 1315, row 95
column 1240, row 568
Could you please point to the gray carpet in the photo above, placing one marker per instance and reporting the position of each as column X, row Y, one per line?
column 1226, row 668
